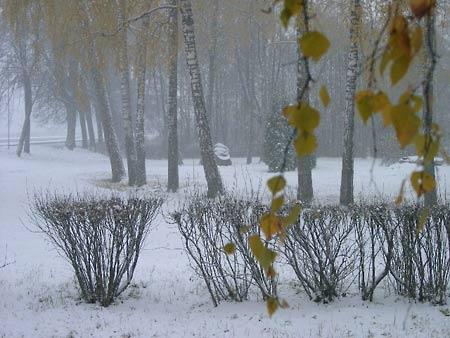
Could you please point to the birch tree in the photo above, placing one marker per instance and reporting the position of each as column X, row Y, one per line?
column 130, row 146
column 346, row 193
column 172, row 115
column 211, row 170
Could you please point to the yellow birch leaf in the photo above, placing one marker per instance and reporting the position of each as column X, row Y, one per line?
column 314, row 44
column 324, row 96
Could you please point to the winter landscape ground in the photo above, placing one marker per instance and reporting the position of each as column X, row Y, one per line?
column 38, row 295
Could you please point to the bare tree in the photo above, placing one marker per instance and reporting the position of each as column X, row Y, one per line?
column 172, row 118
column 305, row 191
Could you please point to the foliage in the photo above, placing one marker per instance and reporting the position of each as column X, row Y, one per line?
column 101, row 237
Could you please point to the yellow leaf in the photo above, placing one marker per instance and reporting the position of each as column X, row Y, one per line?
column 422, row 220
column 277, row 203
column 426, row 147
column 419, row 142
column 305, row 144
column 382, row 104
column 314, row 44
column 290, row 111
column 324, row 96
column 276, row 184
column 421, row 7
column 422, row 182
column 364, row 104
column 293, row 215
column 285, row 16
column 399, row 68
column 303, row 117
column 263, row 255
column 417, row 39
column 406, row 124
column 229, row 248
column 272, row 306
column 270, row 225
column 295, row 6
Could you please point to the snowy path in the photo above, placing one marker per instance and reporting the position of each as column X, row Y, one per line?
column 38, row 297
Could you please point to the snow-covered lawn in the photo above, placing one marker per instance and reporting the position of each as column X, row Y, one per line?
column 38, row 297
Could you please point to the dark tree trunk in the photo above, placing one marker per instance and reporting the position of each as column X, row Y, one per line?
column 305, row 191
column 71, row 117
column 172, row 118
column 90, row 128
column 212, row 174
column 84, row 134
column 346, row 196
column 430, row 44
column 24, row 140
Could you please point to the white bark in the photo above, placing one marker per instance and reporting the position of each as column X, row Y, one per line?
column 346, row 194
column 212, row 174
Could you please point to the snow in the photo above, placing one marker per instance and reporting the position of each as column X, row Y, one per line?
column 38, row 297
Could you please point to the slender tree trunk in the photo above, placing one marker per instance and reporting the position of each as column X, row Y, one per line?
column 24, row 140
column 71, row 118
column 212, row 174
column 346, row 196
column 84, row 134
column 172, row 118
column 212, row 51
column 130, row 146
column 305, row 191
column 90, row 128
column 140, row 107
column 111, row 143
column 430, row 44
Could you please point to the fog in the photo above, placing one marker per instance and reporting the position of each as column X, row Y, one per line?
column 232, row 168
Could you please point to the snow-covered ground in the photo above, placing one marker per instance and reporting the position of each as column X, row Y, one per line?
column 38, row 296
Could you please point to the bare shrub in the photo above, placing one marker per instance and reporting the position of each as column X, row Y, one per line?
column 421, row 263
column 375, row 228
column 206, row 227
column 101, row 237
column 321, row 251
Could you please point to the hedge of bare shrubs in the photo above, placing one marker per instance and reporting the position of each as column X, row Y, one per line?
column 330, row 249
column 101, row 237
column 206, row 227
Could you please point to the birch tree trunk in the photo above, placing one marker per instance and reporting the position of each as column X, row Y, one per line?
column 346, row 193
column 24, row 140
column 172, row 116
column 140, row 107
column 212, row 174
column 430, row 47
column 130, row 146
column 305, row 191
column 111, row 143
